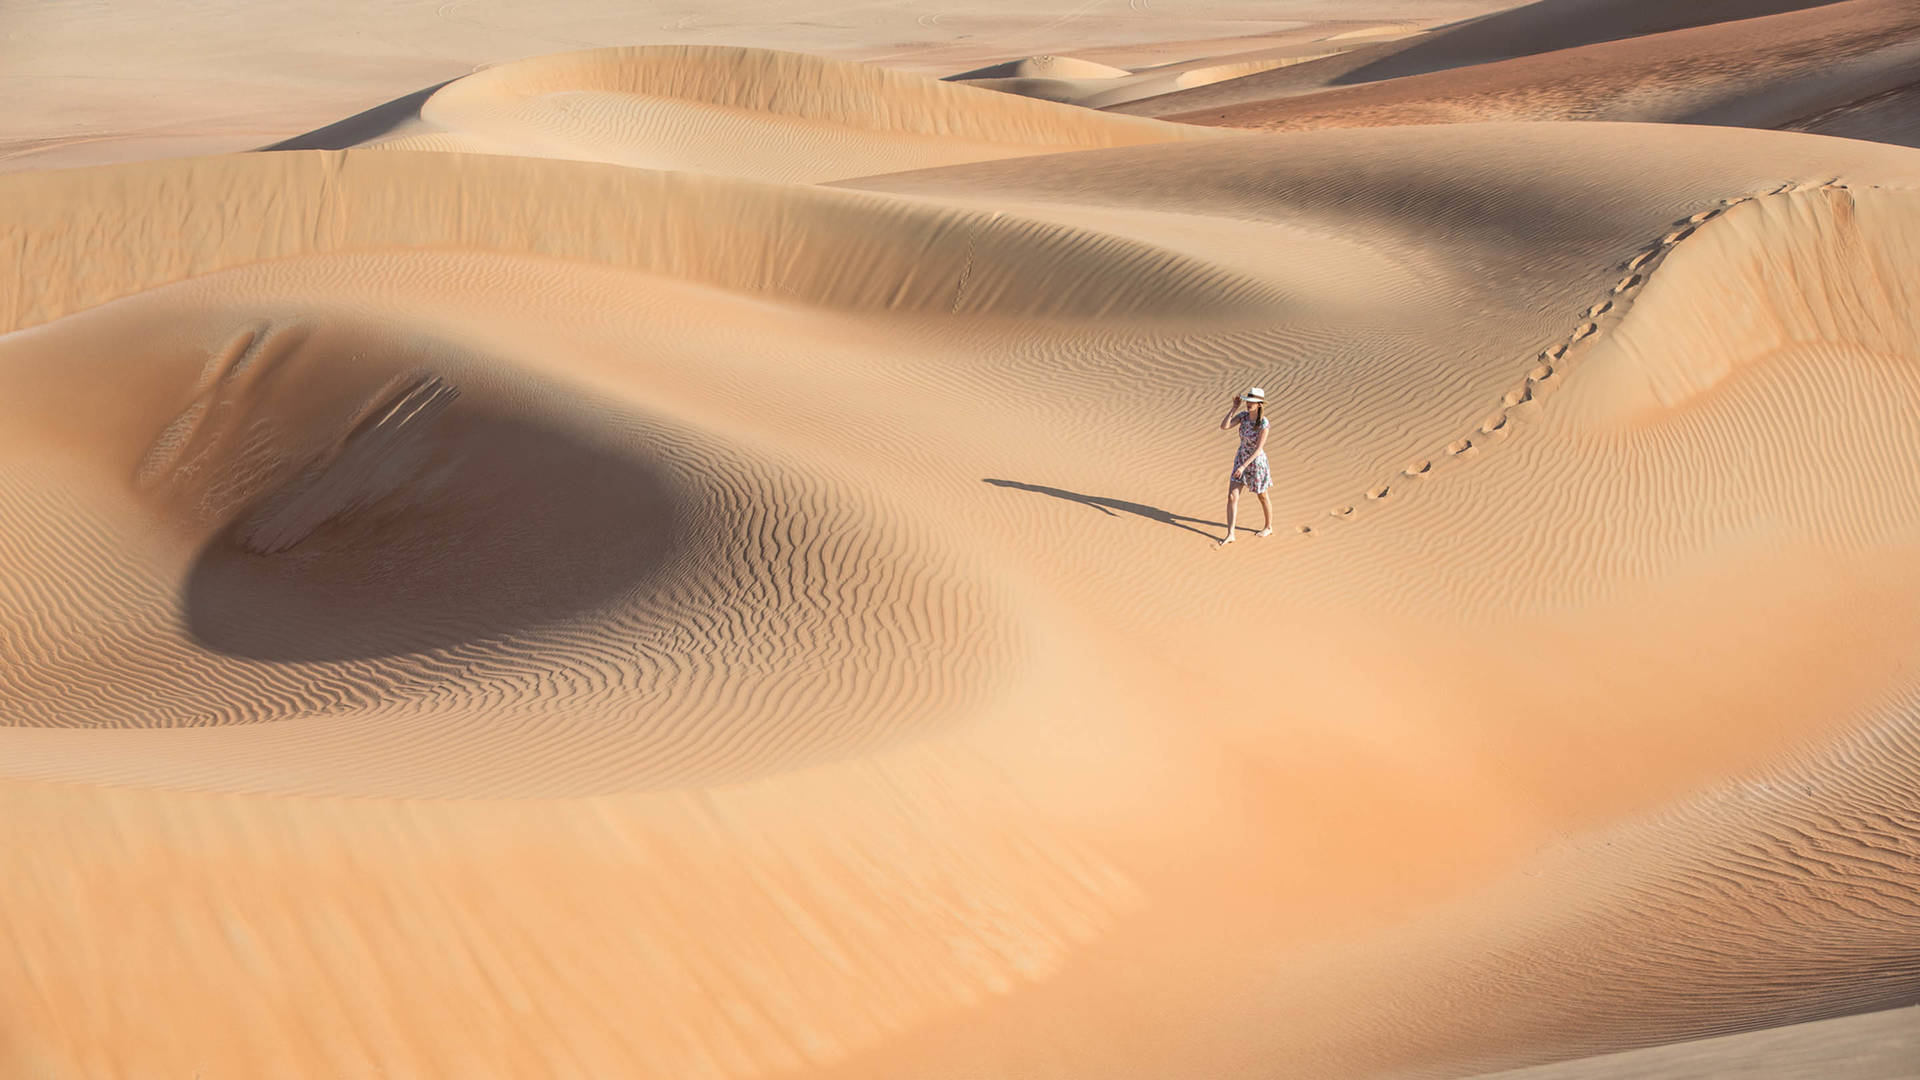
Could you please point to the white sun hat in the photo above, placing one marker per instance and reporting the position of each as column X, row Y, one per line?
column 1253, row 395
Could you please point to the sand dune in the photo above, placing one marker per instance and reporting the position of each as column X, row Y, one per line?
column 1532, row 29
column 698, row 562
column 1099, row 86
column 271, row 554
column 101, row 84
column 1877, row 1046
column 1842, row 69
column 729, row 112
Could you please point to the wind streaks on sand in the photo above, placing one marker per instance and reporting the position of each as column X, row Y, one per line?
column 557, row 583
column 732, row 112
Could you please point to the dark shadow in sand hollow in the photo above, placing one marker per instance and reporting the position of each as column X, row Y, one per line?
column 511, row 523
column 362, row 126
column 1108, row 506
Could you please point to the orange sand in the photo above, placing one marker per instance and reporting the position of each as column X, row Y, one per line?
column 697, row 561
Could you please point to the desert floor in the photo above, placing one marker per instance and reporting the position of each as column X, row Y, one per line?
column 680, row 540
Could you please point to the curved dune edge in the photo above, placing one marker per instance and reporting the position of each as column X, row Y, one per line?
column 1772, row 273
column 803, row 86
column 743, row 112
column 1870, row 1046
column 382, row 555
column 1521, row 32
column 1541, row 645
column 1042, row 67
column 735, row 234
column 1097, row 86
column 1795, row 265
column 1780, row 70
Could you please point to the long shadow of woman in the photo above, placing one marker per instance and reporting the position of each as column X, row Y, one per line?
column 1109, row 506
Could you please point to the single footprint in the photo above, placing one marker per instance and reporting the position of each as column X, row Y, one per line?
column 1640, row 260
column 1341, row 511
column 1626, row 283
column 1676, row 236
column 1554, row 353
column 1460, row 447
column 1586, row 330
column 1418, row 468
column 1703, row 216
column 1379, row 492
column 1541, row 373
column 1493, row 423
column 1517, row 396
column 1304, row 530
column 1599, row 309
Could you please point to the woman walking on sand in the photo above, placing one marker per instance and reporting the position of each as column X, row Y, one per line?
column 1250, row 463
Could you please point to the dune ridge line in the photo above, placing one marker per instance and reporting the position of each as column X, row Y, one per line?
column 1554, row 362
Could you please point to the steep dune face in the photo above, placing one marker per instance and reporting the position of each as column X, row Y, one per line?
column 709, row 571
column 1552, row 25
column 1880, row 1044
column 1545, row 26
column 1796, row 273
column 1099, row 86
column 875, row 254
column 1886, row 118
column 1809, row 70
column 805, row 592
column 734, row 112
column 1755, row 399
column 381, row 547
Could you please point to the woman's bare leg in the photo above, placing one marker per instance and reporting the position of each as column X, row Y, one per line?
column 1233, row 511
column 1266, row 507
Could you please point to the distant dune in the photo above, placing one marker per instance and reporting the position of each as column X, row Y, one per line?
column 1849, row 68
column 700, row 561
column 730, row 112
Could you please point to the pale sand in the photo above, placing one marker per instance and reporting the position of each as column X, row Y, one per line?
column 1847, row 68
column 515, row 615
column 91, row 83
column 1875, row 1046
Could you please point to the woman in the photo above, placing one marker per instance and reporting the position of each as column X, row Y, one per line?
column 1250, row 463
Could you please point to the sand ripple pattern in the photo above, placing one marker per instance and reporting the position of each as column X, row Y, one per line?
column 734, row 112
column 395, row 551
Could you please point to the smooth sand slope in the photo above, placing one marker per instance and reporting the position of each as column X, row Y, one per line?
column 88, row 84
column 1874, row 1046
column 731, row 112
column 1530, row 29
column 500, row 615
column 1843, row 68
column 1094, row 85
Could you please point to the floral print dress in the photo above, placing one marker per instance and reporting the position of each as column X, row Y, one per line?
column 1256, row 476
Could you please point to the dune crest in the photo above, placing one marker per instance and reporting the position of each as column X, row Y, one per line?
column 704, row 562
column 734, row 112
column 832, row 248
column 1774, row 274
column 1844, row 67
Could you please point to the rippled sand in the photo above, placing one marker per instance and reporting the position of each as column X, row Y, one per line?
column 697, row 560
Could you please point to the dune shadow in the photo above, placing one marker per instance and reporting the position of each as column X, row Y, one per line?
column 1544, row 26
column 498, row 524
column 361, row 126
column 1115, row 507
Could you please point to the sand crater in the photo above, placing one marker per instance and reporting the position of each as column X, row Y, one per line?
column 355, row 531
column 484, row 525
